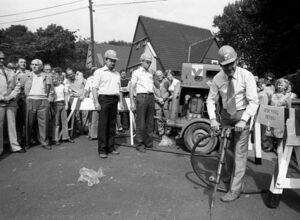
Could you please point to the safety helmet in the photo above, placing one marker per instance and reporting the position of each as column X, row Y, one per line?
column 227, row 55
column 146, row 57
column 111, row 54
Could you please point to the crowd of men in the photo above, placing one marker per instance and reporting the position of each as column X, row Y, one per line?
column 43, row 95
column 35, row 103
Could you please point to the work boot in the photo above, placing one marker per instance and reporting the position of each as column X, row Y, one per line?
column 230, row 196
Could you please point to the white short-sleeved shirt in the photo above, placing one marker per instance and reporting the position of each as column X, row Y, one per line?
column 143, row 80
column 59, row 93
column 107, row 82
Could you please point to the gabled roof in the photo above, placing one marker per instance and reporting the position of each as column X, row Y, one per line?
column 122, row 54
column 171, row 41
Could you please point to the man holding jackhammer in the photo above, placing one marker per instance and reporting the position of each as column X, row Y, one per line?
column 237, row 89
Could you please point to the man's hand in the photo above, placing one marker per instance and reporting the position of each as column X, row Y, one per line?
column 121, row 106
column 215, row 125
column 6, row 99
column 240, row 126
column 97, row 106
column 81, row 97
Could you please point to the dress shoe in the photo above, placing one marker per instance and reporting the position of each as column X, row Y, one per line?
column 103, row 155
column 47, row 147
column 141, row 149
column 114, row 152
column 230, row 196
column 57, row 143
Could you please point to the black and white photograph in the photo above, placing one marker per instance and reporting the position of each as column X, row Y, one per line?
column 149, row 110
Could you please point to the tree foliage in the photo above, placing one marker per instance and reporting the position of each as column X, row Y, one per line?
column 265, row 34
column 54, row 45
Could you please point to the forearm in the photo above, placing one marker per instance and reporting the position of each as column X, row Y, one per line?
column 15, row 92
column 95, row 95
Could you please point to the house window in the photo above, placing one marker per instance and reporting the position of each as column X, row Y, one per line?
column 138, row 46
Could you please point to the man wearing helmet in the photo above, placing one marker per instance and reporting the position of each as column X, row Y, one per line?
column 142, row 83
column 106, row 88
column 237, row 89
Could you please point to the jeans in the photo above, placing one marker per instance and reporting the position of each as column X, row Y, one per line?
column 60, row 117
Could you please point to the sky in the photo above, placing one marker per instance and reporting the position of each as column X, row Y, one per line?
column 117, row 22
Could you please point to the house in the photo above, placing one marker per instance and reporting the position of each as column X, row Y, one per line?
column 122, row 54
column 171, row 44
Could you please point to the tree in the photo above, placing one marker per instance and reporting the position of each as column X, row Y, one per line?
column 55, row 45
column 17, row 41
column 264, row 32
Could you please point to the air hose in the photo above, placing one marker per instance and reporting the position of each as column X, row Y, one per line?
column 197, row 170
column 192, row 156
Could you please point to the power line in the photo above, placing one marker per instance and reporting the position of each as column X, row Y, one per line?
column 44, row 16
column 40, row 9
column 77, row 9
column 128, row 3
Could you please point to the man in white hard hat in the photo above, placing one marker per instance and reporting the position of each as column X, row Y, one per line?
column 106, row 94
column 142, row 82
column 237, row 89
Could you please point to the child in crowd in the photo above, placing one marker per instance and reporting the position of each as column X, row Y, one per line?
column 60, row 106
column 281, row 97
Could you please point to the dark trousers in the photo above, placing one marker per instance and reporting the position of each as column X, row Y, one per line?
column 107, row 122
column 21, row 118
column 144, row 119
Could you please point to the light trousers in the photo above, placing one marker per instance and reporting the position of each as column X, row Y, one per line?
column 10, row 114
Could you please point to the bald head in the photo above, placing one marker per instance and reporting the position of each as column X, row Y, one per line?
column 36, row 65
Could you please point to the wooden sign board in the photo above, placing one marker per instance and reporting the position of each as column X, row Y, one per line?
column 271, row 116
column 87, row 104
column 292, row 138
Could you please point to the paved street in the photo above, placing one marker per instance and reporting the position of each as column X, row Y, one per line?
column 43, row 184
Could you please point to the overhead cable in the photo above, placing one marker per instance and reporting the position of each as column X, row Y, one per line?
column 40, row 9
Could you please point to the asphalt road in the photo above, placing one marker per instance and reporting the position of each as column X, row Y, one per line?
column 42, row 184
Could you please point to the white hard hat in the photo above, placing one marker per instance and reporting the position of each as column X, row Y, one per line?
column 227, row 55
column 146, row 57
column 111, row 54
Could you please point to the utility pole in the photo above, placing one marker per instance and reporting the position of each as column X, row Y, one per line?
column 92, row 32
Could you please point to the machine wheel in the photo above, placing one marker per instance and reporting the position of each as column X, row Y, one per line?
column 192, row 135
